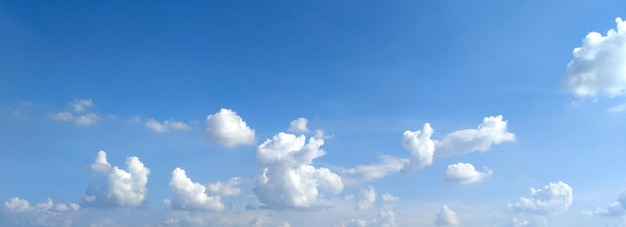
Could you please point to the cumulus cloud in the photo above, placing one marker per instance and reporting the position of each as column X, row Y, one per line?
column 493, row 130
column 385, row 167
column 421, row 147
column 465, row 173
column 385, row 218
column 19, row 212
column 554, row 198
column 228, row 129
column 227, row 188
column 123, row 188
column 78, row 106
column 389, row 198
column 367, row 197
column 598, row 65
column 614, row 209
column 189, row 195
column 446, row 217
column 299, row 125
column 167, row 125
column 289, row 179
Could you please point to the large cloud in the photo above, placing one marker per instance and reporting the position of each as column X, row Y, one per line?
column 289, row 179
column 228, row 129
column 446, row 217
column 493, row 130
column 598, row 65
column 124, row 188
column 465, row 173
column 554, row 198
column 421, row 147
column 362, row 173
column 189, row 195
column 19, row 212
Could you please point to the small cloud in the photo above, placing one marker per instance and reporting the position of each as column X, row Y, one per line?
column 299, row 125
column 387, row 165
column 228, row 129
column 465, row 173
column 388, row 198
column 167, row 125
column 189, row 195
column 227, row 188
column 80, row 105
column 446, row 217
column 493, row 130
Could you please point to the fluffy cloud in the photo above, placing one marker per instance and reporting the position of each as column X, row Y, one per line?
column 554, row 198
column 225, row 188
column 19, row 212
column 123, row 188
column 389, row 198
column 367, row 197
column 421, row 147
column 493, row 130
column 189, row 195
column 228, row 129
column 598, row 65
column 614, row 209
column 167, row 125
column 446, row 217
column 299, row 125
column 289, row 179
column 385, row 218
column 465, row 173
column 386, row 166
column 78, row 106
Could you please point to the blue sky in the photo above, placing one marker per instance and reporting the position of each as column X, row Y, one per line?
column 277, row 113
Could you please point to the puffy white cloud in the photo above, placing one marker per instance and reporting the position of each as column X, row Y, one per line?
column 554, row 198
column 465, row 173
column 19, row 212
column 124, row 188
column 189, row 195
column 614, row 209
column 289, row 179
column 225, row 188
column 598, row 65
column 385, row 167
column 228, row 129
column 421, row 147
column 389, row 198
column 80, row 105
column 367, row 197
column 493, row 130
column 446, row 217
column 299, row 125
column 167, row 125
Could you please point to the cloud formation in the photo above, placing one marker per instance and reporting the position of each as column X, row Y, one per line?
column 189, row 195
column 363, row 173
column 389, row 198
column 122, row 188
column 598, row 65
column 228, row 129
column 465, row 173
column 421, row 147
column 299, row 125
column 19, row 212
column 446, row 217
column 614, row 209
column 554, row 198
column 289, row 179
column 227, row 188
column 493, row 130
column 167, row 125
column 367, row 197
column 79, row 117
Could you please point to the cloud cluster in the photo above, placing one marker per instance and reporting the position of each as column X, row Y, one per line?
column 465, row 173
column 554, row 198
column 19, row 212
column 420, row 145
column 289, row 179
column 598, row 65
column 446, row 217
column 228, row 129
column 122, row 188
column 167, row 125
column 299, row 125
column 189, row 195
column 76, row 113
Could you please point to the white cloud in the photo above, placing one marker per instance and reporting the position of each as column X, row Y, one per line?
column 80, row 105
column 554, row 198
column 493, row 130
column 355, row 222
column 167, row 125
column 620, row 108
column 421, row 147
column 614, row 209
column 189, row 195
column 123, row 188
column 385, row 167
column 389, row 198
column 598, row 65
column 367, row 197
column 384, row 218
column 299, row 125
column 225, row 188
column 19, row 212
column 228, row 129
column 446, row 217
column 465, row 173
column 289, row 179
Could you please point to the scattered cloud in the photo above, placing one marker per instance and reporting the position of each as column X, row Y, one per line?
column 122, row 188
column 554, row 198
column 421, row 147
column 384, row 218
column 19, row 212
column 614, row 209
column 299, row 125
column 79, row 117
column 189, row 195
column 228, row 129
column 80, row 105
column 493, row 130
column 289, row 179
column 225, row 188
column 367, row 197
column 167, row 125
column 362, row 173
column 465, row 173
column 598, row 65
column 389, row 198
column 446, row 217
